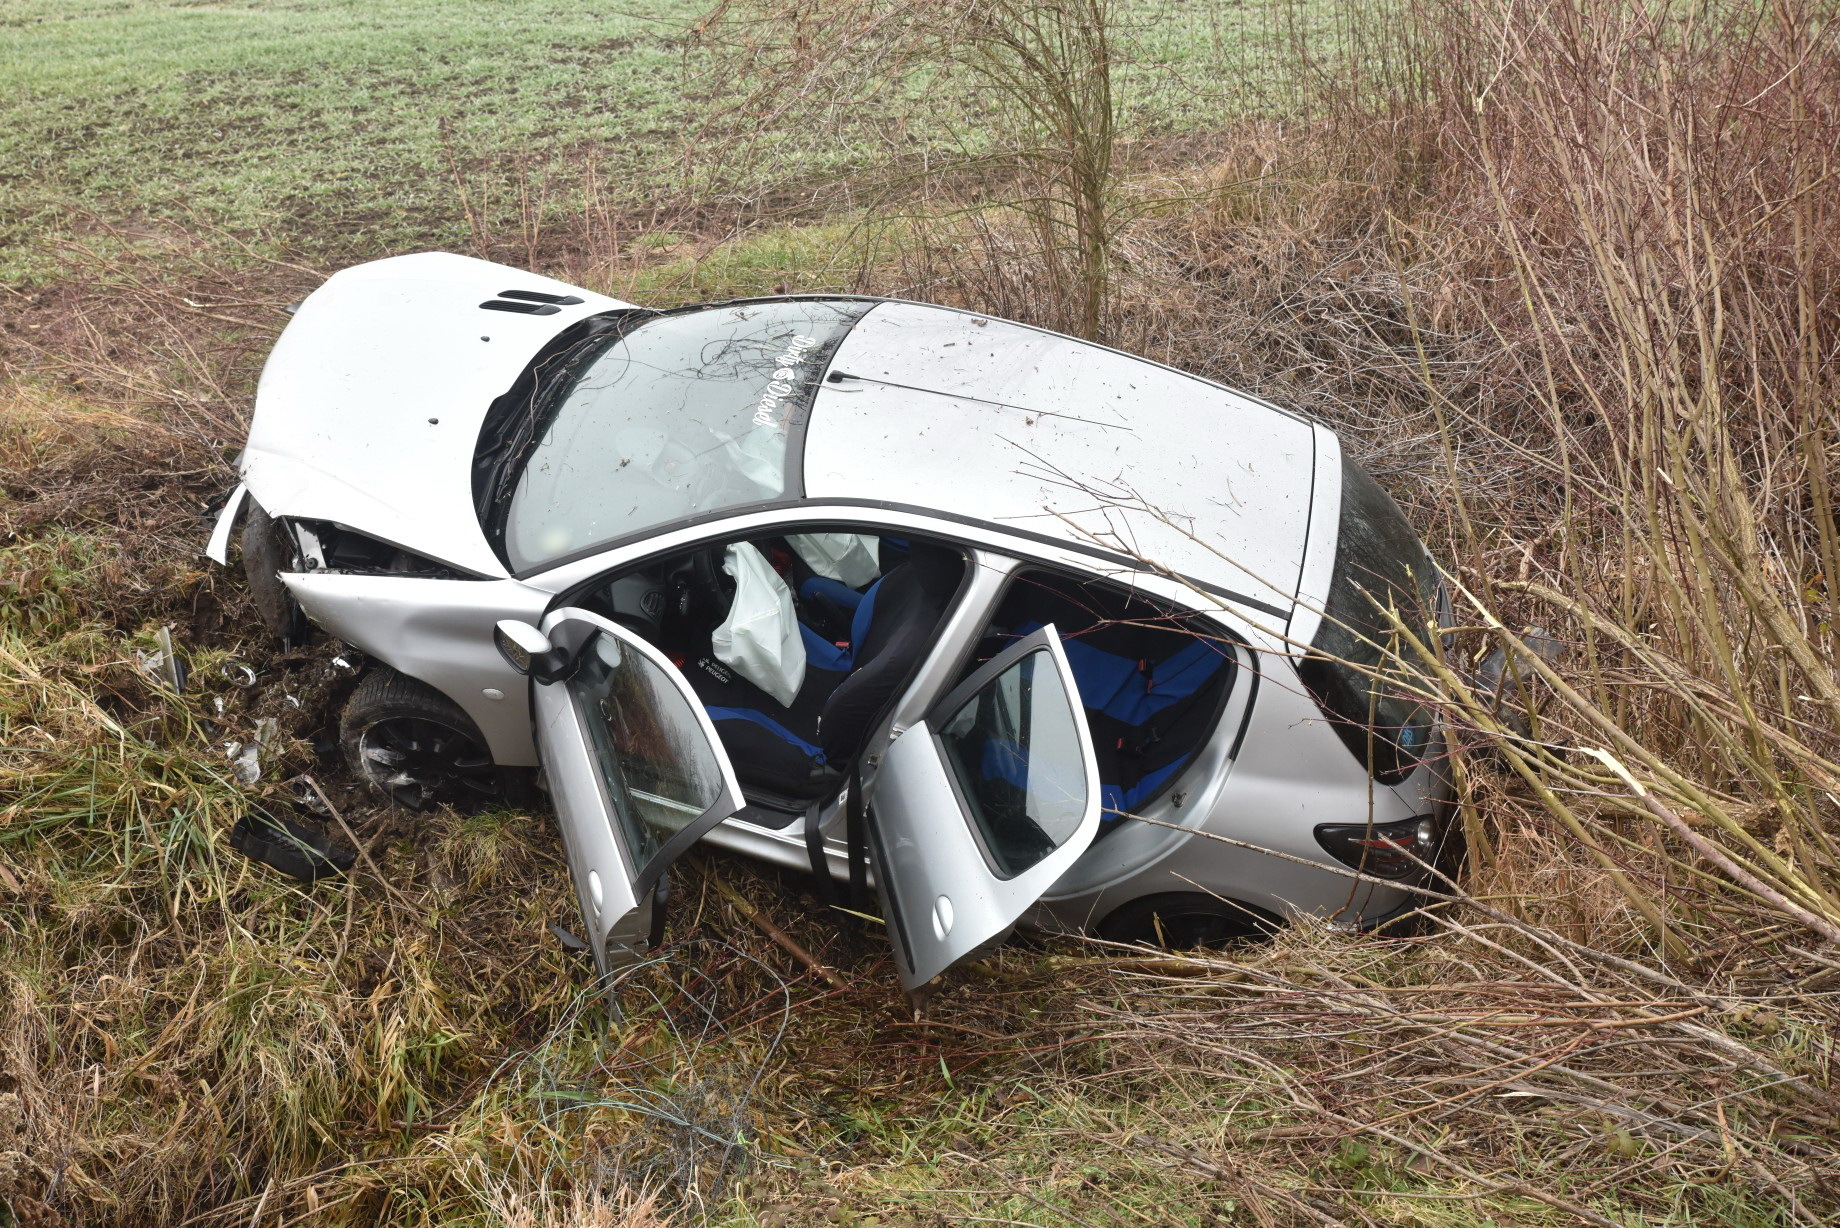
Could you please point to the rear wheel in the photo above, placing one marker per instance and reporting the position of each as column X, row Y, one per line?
column 416, row 744
column 1181, row 921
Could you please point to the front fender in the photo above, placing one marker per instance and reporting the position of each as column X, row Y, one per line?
column 439, row 631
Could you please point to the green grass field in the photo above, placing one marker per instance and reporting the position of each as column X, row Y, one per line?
column 346, row 128
column 341, row 121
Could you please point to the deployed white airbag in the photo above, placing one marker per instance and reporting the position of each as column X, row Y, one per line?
column 760, row 637
column 853, row 558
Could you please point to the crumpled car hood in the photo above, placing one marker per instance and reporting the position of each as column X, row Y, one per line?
column 368, row 412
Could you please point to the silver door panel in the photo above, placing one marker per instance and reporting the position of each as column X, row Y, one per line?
column 618, row 923
column 944, row 892
column 938, row 897
column 614, row 878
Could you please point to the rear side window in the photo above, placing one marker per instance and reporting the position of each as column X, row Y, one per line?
column 1380, row 566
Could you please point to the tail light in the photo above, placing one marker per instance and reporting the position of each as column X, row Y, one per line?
column 1385, row 850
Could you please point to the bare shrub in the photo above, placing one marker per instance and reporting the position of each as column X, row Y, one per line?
column 1567, row 275
column 1656, row 187
column 1036, row 76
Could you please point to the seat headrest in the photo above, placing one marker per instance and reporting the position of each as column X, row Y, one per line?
column 938, row 569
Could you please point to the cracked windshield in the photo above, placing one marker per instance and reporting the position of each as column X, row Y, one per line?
column 682, row 414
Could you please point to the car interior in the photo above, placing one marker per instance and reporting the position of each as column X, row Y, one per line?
column 851, row 618
column 1153, row 679
column 792, row 725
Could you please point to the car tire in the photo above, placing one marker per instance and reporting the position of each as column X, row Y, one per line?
column 266, row 553
column 417, row 746
column 1185, row 920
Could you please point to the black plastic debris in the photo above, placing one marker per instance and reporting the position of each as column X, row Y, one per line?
column 1506, row 679
column 295, row 850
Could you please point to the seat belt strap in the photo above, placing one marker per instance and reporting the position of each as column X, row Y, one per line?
column 859, row 840
column 661, row 896
column 814, row 849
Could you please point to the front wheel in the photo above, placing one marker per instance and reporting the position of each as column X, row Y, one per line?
column 415, row 744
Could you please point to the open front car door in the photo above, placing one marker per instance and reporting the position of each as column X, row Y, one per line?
column 977, row 809
column 636, row 773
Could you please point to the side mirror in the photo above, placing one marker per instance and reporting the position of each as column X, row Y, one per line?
column 528, row 650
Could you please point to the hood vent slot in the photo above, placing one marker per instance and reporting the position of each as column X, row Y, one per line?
column 530, row 302
column 523, row 309
column 538, row 296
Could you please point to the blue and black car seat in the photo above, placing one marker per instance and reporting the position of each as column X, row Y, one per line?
column 828, row 607
column 904, row 609
column 775, row 748
column 1152, row 684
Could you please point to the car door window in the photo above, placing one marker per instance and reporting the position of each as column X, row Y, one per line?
column 1014, row 752
column 660, row 769
column 635, row 771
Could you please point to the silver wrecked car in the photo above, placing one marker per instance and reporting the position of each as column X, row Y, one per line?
column 998, row 623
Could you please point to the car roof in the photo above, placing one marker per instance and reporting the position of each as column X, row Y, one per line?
column 371, row 402
column 1049, row 437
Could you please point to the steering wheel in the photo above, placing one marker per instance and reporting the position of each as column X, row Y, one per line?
column 701, row 591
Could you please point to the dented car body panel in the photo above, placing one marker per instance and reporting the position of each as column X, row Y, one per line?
column 439, row 631
column 1028, row 457
column 369, row 409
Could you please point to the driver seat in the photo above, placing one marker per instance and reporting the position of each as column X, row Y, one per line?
column 774, row 748
column 908, row 603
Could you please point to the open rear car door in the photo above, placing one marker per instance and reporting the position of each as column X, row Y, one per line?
column 976, row 810
column 636, row 773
